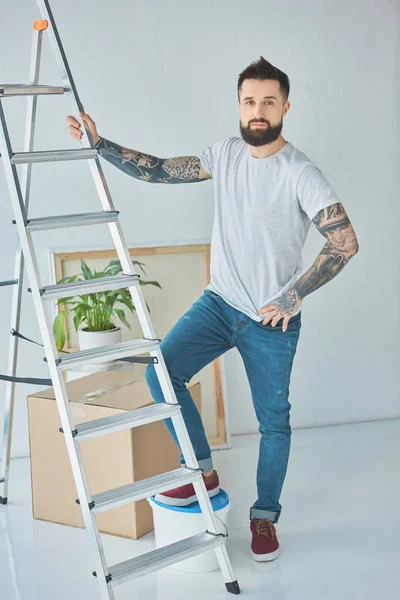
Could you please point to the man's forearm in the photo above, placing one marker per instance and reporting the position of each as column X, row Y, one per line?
column 334, row 224
column 330, row 262
column 341, row 246
column 150, row 168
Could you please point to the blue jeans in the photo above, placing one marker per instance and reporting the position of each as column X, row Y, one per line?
column 207, row 330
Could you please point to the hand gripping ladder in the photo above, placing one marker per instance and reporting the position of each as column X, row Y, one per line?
column 211, row 538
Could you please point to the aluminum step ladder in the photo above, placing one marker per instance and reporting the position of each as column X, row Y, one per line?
column 108, row 576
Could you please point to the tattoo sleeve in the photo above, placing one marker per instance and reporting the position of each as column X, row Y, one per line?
column 334, row 224
column 183, row 169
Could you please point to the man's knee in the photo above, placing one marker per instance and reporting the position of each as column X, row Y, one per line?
column 275, row 421
column 178, row 378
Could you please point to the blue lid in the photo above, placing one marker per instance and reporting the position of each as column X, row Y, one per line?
column 217, row 502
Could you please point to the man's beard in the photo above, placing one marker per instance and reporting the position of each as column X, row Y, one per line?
column 262, row 136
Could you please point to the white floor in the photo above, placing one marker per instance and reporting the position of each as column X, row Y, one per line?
column 339, row 530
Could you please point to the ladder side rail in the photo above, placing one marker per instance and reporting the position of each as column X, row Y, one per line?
column 34, row 71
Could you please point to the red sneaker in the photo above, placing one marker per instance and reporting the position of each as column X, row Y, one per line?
column 264, row 545
column 185, row 495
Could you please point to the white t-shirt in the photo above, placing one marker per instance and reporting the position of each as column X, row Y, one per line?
column 263, row 211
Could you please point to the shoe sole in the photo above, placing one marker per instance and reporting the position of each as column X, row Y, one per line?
column 266, row 557
column 183, row 501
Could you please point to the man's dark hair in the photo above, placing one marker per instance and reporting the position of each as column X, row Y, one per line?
column 262, row 69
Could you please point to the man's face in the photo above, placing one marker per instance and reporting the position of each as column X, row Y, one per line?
column 262, row 108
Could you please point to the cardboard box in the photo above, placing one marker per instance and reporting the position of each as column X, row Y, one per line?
column 110, row 460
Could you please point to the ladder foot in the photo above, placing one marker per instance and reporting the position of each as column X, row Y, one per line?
column 3, row 500
column 233, row 587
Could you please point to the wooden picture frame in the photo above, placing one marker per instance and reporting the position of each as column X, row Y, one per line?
column 195, row 259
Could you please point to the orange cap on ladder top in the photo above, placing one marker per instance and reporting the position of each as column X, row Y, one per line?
column 40, row 25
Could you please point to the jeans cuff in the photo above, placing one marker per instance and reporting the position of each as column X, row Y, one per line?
column 205, row 464
column 272, row 515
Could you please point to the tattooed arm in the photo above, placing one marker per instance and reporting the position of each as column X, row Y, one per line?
column 341, row 245
column 183, row 169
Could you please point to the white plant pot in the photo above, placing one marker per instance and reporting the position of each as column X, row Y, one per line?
column 98, row 339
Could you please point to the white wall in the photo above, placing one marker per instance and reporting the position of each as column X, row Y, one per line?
column 161, row 77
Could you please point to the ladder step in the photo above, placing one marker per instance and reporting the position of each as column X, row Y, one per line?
column 126, row 420
column 20, row 89
column 9, row 282
column 106, row 216
column 89, row 286
column 120, row 350
column 163, row 557
column 20, row 158
column 145, row 488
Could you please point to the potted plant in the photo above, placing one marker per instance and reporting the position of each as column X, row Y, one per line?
column 95, row 315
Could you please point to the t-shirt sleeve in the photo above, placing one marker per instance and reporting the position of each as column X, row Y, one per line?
column 207, row 160
column 314, row 192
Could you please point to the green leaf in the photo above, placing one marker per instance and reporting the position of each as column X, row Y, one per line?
column 85, row 306
column 68, row 301
column 122, row 317
column 111, row 297
column 114, row 266
column 150, row 283
column 126, row 298
column 141, row 265
column 78, row 318
column 87, row 273
column 59, row 330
